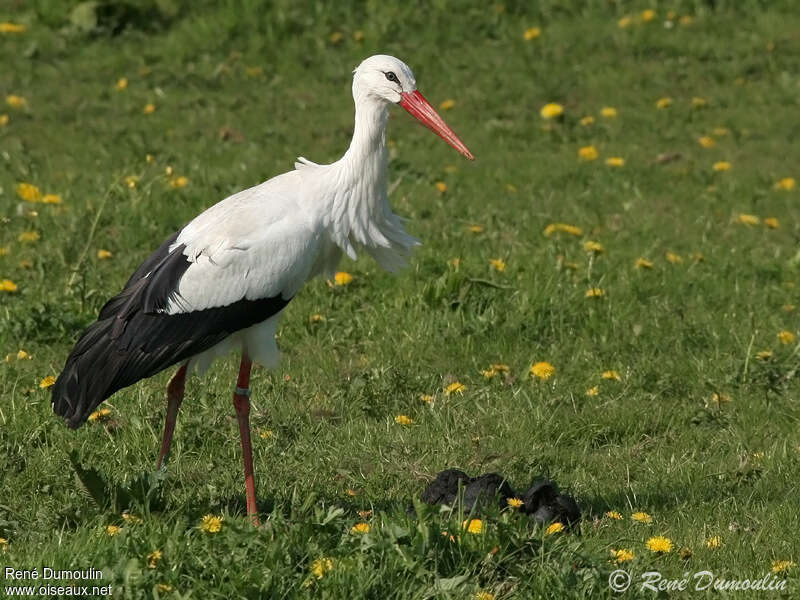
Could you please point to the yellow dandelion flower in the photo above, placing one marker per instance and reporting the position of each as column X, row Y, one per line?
column 489, row 373
column 685, row 553
column 772, row 223
column 99, row 414
column 440, row 186
column 562, row 228
column 426, row 398
column 615, row 161
column 163, row 588
column 316, row 318
column 722, row 165
column 447, row 104
column 153, row 558
column 350, row 492
column 587, row 120
column 6, row 285
column 122, row 83
column 622, row 555
column 149, row 108
column 483, row 595
column 685, row 20
column 403, row 420
column 781, row 566
column 5, row 250
column 673, row 258
column 786, row 184
column 8, row 27
column 3, row 544
column 265, row 434
column 149, row 158
column 22, row 355
column 764, row 355
column 104, row 254
column 662, row 103
column 746, row 219
column 643, row 263
column 588, row 153
column 475, row 228
column 514, row 502
column 593, row 247
column 615, row 515
column 342, row 278
column 714, row 543
column 358, row 35
column 595, row 293
column 15, row 101
column 179, row 182
column 28, row 237
column 52, row 199
column 473, row 525
column 336, row 37
column 532, row 33
column 131, row 181
column 321, row 566
column 786, row 337
column 554, row 528
column 3, row 120
column 720, row 131
column 699, row 102
column 648, row 15
column 593, row 391
column 706, row 141
column 611, row 374
column 624, row 22
column 498, row 264
column 360, row 528
column 112, row 530
column 455, row 388
column 642, row 517
column 659, row 544
column 609, row 112
column 501, row 367
column 47, row 382
column 542, row 370
column 211, row 523
column 29, row 192
column 551, row 110
column 788, row 307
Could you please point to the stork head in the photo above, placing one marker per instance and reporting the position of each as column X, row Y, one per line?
column 386, row 79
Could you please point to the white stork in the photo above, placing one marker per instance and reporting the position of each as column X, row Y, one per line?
column 222, row 282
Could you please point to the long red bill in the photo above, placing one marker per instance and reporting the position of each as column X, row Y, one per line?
column 420, row 109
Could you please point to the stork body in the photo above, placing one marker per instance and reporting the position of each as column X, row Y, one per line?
column 221, row 282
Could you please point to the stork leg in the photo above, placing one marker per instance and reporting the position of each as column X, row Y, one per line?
column 175, row 389
column 241, row 401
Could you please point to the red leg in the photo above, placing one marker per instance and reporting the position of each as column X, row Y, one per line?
column 241, row 401
column 174, row 399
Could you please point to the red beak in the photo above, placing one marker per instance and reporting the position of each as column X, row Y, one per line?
column 420, row 109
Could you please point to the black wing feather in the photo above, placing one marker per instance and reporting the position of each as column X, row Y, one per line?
column 132, row 339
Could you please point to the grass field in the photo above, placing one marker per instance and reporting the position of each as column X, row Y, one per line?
column 675, row 391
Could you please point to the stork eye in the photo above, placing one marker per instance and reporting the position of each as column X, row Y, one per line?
column 391, row 76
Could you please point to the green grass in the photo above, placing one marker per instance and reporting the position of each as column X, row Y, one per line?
column 654, row 441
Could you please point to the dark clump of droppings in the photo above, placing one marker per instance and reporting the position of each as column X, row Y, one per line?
column 485, row 489
column 545, row 504
column 543, row 501
column 444, row 489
